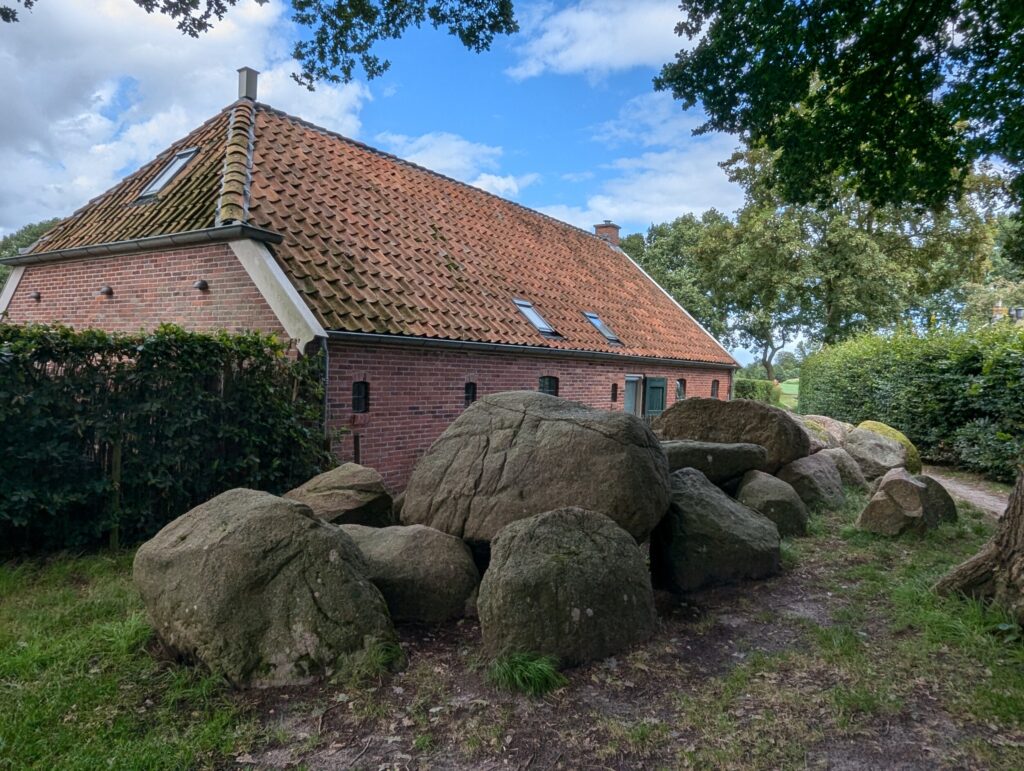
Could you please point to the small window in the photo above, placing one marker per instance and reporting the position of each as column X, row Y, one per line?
column 470, row 392
column 603, row 328
column 535, row 318
column 680, row 389
column 360, row 396
column 714, row 389
column 549, row 385
column 615, row 392
column 170, row 172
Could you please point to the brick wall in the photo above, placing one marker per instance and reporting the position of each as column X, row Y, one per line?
column 149, row 289
column 415, row 393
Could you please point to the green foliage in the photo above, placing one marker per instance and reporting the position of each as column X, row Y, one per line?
column 526, row 673
column 19, row 239
column 343, row 34
column 369, row 664
column 956, row 395
column 759, row 390
column 900, row 97
column 188, row 415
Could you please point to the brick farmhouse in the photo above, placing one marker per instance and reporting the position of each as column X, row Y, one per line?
column 424, row 293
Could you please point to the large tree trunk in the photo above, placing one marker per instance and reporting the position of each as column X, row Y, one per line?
column 997, row 571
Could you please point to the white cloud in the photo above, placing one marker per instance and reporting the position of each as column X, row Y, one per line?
column 457, row 157
column 92, row 90
column 596, row 37
column 677, row 174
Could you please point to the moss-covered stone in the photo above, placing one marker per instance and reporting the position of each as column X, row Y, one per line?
column 913, row 456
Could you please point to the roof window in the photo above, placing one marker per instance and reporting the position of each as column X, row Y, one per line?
column 603, row 328
column 535, row 318
column 170, row 172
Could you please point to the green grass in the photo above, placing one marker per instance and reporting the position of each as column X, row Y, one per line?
column 78, row 688
column 526, row 673
column 790, row 392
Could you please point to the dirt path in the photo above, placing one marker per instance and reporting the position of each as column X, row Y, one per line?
column 975, row 490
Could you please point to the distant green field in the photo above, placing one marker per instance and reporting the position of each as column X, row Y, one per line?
column 790, row 392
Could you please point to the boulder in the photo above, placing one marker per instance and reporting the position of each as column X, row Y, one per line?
column 718, row 462
column 259, row 590
column 818, row 436
column 516, row 454
column 874, row 453
column 347, row 495
column 816, row 480
column 425, row 575
column 737, row 421
column 913, row 457
column 708, row 538
column 904, row 503
column 849, row 470
column 568, row 583
column 937, row 499
column 776, row 500
column 836, row 429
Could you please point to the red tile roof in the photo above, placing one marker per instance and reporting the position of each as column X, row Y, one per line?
column 376, row 244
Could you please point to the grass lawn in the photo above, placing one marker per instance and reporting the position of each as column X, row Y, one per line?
column 790, row 392
column 845, row 660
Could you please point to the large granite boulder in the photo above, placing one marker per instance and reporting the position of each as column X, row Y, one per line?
column 913, row 457
column 819, row 437
column 836, row 429
column 709, row 538
column 425, row 575
column 904, row 503
column 848, row 468
column 516, row 454
column 776, row 500
column 259, row 590
column 875, row 454
column 568, row 583
column 348, row 495
column 737, row 421
column 718, row 462
column 816, row 480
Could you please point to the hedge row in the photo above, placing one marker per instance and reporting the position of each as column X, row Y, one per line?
column 958, row 396
column 118, row 434
column 759, row 390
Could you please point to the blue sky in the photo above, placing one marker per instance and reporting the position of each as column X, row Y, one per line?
column 561, row 117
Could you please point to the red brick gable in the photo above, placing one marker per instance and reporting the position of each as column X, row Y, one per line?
column 375, row 244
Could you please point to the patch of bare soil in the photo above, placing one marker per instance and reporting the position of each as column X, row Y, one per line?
column 692, row 693
column 973, row 489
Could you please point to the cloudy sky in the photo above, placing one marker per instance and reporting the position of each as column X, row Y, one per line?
column 561, row 117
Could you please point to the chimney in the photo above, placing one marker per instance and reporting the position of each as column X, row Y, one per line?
column 608, row 231
column 247, row 78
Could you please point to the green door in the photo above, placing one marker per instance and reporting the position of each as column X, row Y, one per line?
column 654, row 396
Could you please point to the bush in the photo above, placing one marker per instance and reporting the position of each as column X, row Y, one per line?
column 758, row 390
column 122, row 433
column 956, row 395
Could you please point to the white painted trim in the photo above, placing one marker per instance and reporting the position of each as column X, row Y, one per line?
column 279, row 292
column 9, row 288
column 676, row 302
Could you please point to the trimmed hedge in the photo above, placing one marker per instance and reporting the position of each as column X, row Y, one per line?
column 958, row 396
column 118, row 434
column 758, row 390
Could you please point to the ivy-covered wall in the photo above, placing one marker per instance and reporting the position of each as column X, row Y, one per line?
column 107, row 435
column 958, row 396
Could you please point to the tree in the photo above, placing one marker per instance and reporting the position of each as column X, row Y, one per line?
column 19, row 239
column 899, row 97
column 342, row 32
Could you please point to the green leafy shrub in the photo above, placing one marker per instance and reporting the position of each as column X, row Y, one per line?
column 758, row 390
column 955, row 395
column 122, row 433
column 526, row 673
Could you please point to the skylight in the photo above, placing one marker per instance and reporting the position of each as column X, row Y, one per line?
column 603, row 328
column 170, row 172
column 535, row 318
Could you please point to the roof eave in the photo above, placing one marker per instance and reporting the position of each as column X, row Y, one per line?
column 565, row 353
column 219, row 234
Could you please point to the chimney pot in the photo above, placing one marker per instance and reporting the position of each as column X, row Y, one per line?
column 247, row 80
column 608, row 231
